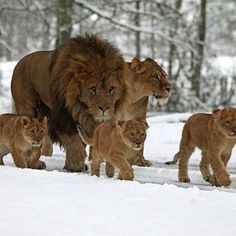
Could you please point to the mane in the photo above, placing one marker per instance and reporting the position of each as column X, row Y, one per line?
column 79, row 57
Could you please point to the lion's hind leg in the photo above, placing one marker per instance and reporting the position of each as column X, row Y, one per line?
column 126, row 170
column 204, row 167
column 186, row 149
column 96, row 161
column 3, row 151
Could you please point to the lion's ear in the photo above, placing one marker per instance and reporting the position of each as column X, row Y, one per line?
column 25, row 121
column 145, row 124
column 215, row 109
column 137, row 66
column 216, row 112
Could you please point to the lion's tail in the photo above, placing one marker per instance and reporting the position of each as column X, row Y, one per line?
column 84, row 136
column 185, row 136
column 175, row 159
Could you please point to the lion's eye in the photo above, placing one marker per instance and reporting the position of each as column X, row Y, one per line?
column 227, row 123
column 132, row 135
column 93, row 90
column 111, row 90
column 143, row 135
column 156, row 78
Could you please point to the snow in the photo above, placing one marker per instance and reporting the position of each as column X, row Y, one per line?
column 53, row 202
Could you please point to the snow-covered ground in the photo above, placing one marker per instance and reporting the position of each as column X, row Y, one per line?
column 53, row 202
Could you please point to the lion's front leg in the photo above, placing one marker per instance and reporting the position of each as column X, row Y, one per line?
column 126, row 170
column 219, row 170
column 32, row 159
column 75, row 153
column 47, row 146
column 204, row 167
column 18, row 158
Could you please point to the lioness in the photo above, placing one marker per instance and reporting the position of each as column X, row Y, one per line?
column 22, row 137
column 215, row 135
column 79, row 82
column 118, row 144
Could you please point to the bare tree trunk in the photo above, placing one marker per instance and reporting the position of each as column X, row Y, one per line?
column 178, row 4
column 64, row 21
column 137, row 33
column 196, row 80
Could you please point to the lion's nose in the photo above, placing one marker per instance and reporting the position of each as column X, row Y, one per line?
column 138, row 143
column 104, row 108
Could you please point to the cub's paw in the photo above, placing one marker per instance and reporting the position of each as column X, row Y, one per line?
column 207, row 177
column 213, row 181
column 184, row 179
column 222, row 180
column 143, row 163
column 126, row 175
column 40, row 165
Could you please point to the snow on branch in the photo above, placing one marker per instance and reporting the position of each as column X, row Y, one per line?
column 8, row 47
column 131, row 27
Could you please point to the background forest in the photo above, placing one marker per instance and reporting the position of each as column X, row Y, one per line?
column 194, row 40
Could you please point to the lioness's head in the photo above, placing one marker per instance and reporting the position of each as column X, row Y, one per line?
column 150, row 79
column 133, row 133
column 88, row 77
column 34, row 130
column 226, row 120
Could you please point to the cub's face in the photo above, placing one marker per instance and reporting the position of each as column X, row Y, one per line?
column 34, row 130
column 134, row 133
column 227, row 121
column 151, row 79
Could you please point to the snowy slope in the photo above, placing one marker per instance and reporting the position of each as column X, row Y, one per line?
column 53, row 202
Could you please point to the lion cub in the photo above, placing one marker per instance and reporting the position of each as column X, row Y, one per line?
column 117, row 143
column 22, row 137
column 215, row 135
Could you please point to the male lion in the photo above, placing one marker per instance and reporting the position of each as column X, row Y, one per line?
column 79, row 82
column 215, row 135
column 118, row 144
column 142, row 79
column 22, row 137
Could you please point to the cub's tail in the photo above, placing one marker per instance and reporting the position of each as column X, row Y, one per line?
column 84, row 136
column 175, row 159
column 185, row 137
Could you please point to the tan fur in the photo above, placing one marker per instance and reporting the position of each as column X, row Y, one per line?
column 215, row 135
column 22, row 137
column 118, row 144
column 79, row 82
column 142, row 79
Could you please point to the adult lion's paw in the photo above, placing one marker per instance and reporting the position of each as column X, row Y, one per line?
column 82, row 168
column 40, row 165
column 184, row 179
